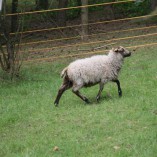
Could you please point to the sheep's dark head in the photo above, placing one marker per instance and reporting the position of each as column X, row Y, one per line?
column 124, row 52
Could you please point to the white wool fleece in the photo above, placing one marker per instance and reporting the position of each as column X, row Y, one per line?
column 99, row 68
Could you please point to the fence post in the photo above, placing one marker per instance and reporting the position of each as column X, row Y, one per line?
column 84, row 20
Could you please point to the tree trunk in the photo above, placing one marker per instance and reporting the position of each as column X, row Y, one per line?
column 61, row 15
column 79, row 3
column 42, row 4
column 1, row 5
column 14, row 18
column 9, row 56
column 153, row 4
column 84, row 19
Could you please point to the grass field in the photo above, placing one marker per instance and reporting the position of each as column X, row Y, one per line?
column 30, row 125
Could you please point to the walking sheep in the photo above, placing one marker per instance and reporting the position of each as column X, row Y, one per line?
column 91, row 71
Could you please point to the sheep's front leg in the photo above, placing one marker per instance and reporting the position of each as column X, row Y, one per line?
column 119, row 88
column 100, row 91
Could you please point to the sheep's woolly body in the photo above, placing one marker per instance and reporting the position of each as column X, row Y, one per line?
column 90, row 71
column 100, row 68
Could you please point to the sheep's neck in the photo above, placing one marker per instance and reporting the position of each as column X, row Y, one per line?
column 116, row 62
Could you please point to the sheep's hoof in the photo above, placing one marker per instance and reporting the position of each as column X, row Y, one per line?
column 97, row 99
column 120, row 93
column 87, row 101
column 56, row 104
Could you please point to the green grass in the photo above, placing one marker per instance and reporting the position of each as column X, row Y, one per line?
column 30, row 125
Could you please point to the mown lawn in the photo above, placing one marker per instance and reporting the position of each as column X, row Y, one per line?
column 30, row 125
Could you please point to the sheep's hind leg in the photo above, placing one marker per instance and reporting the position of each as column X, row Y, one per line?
column 75, row 90
column 62, row 89
column 81, row 96
column 119, row 88
column 100, row 91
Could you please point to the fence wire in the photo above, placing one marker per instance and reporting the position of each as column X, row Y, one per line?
column 88, row 53
column 80, row 25
column 91, row 43
column 69, row 8
column 78, row 37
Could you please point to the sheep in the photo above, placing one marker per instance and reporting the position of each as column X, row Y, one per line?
column 98, row 69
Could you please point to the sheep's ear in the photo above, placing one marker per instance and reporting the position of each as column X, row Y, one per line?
column 112, row 49
column 116, row 50
column 119, row 49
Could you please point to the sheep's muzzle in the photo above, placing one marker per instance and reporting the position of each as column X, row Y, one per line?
column 127, row 54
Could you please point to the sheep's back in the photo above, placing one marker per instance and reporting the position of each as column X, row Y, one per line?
column 89, row 69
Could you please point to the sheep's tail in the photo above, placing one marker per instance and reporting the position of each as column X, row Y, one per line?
column 64, row 72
